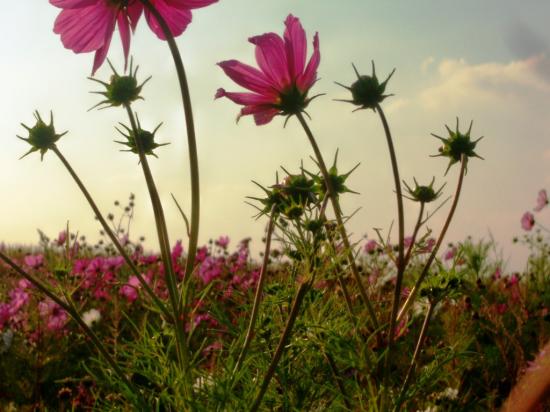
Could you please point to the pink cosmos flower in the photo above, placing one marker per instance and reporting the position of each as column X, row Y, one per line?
column 34, row 261
column 542, row 200
column 61, row 238
column 130, row 289
column 527, row 221
column 283, row 81
column 176, row 13
column 371, row 246
column 223, row 242
column 87, row 25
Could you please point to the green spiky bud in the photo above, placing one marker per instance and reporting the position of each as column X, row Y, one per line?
column 457, row 145
column 298, row 189
column 423, row 194
column 144, row 138
column 121, row 90
column 367, row 92
column 42, row 136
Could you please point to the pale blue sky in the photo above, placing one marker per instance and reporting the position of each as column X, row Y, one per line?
column 486, row 60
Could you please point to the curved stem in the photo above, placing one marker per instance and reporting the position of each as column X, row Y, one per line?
column 191, row 141
column 401, row 234
column 282, row 343
column 164, row 242
column 339, row 220
column 259, row 290
column 415, row 233
column 111, row 235
column 76, row 317
column 419, row 344
column 414, row 291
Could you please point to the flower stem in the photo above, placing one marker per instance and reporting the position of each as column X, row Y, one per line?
column 415, row 233
column 111, row 235
column 423, row 274
column 419, row 344
column 164, row 242
column 73, row 313
column 259, row 290
column 401, row 247
column 191, row 140
column 298, row 299
column 338, row 213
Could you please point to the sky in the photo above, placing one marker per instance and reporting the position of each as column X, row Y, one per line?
column 486, row 61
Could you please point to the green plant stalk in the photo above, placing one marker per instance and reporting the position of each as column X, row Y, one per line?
column 111, row 235
column 401, row 247
column 164, row 242
column 298, row 299
column 419, row 343
column 338, row 213
column 192, row 145
column 415, row 233
column 337, row 378
column 76, row 317
column 424, row 273
column 259, row 291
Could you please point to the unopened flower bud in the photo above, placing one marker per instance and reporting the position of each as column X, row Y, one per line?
column 42, row 136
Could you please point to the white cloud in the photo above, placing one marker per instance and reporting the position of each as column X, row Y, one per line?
column 487, row 83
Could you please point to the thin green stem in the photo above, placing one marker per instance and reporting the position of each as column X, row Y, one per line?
column 419, row 343
column 415, row 233
column 298, row 299
column 73, row 313
column 401, row 247
column 191, row 140
column 424, row 273
column 338, row 213
column 164, row 242
column 259, row 291
column 111, row 234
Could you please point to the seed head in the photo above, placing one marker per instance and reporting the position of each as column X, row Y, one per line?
column 42, row 136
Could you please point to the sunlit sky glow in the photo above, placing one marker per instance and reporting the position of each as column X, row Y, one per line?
column 483, row 60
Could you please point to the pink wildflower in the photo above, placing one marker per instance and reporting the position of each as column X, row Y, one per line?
column 130, row 289
column 176, row 13
column 527, row 221
column 450, row 254
column 371, row 246
column 283, row 81
column 542, row 200
column 223, row 242
column 61, row 238
column 177, row 251
column 407, row 241
column 53, row 314
column 88, row 25
column 34, row 261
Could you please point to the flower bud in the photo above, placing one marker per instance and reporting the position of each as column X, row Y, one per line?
column 457, row 145
column 42, row 136
column 140, row 139
column 121, row 90
column 367, row 92
column 423, row 194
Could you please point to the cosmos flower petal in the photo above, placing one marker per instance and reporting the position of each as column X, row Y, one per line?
column 134, row 13
column 101, row 53
column 309, row 76
column 84, row 30
column 244, row 98
column 542, row 200
column 262, row 114
column 246, row 76
column 177, row 18
column 72, row 4
column 295, row 45
column 190, row 4
column 271, row 57
column 124, row 30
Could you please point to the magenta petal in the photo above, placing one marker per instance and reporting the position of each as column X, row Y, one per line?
column 134, row 13
column 176, row 18
column 124, row 30
column 542, row 200
column 295, row 45
column 72, row 4
column 306, row 80
column 271, row 57
column 84, row 30
column 101, row 53
column 245, row 99
column 262, row 114
column 247, row 76
column 190, row 4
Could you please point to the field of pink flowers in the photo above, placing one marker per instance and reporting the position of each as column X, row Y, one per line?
column 319, row 321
